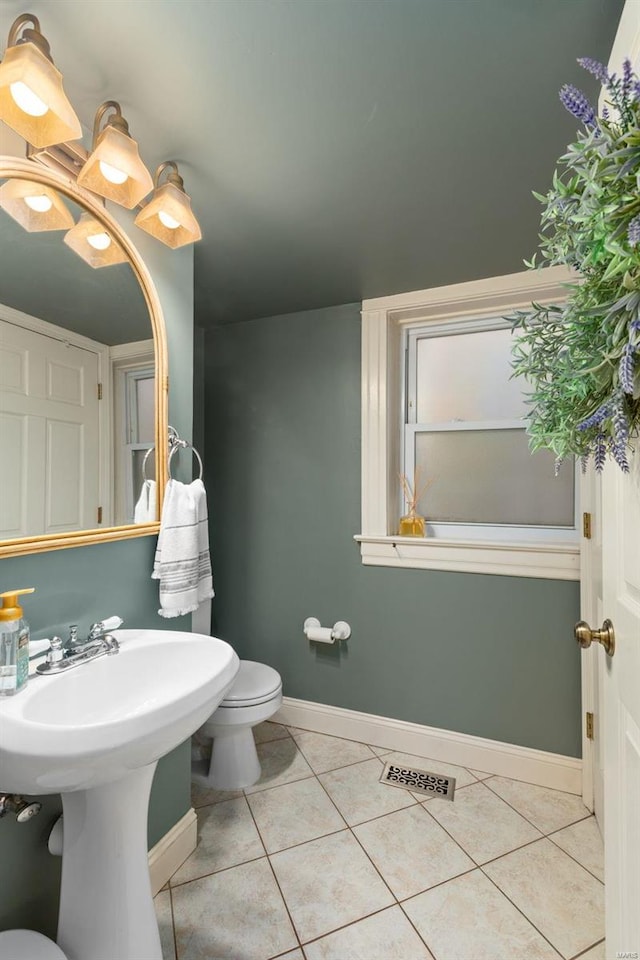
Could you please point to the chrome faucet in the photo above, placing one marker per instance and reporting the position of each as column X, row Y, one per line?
column 96, row 632
column 99, row 643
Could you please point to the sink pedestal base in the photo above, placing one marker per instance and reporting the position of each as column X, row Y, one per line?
column 106, row 907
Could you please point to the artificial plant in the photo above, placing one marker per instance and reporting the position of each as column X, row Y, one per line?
column 582, row 357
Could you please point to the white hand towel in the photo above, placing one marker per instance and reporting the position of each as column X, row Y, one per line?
column 182, row 562
column 145, row 508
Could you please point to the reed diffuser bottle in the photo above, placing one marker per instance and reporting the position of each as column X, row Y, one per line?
column 412, row 524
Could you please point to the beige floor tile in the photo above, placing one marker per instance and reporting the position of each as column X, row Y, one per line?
column 468, row 919
column 201, row 795
column 583, row 842
column 547, row 809
column 563, row 901
column 412, row 851
column 281, row 762
column 358, row 794
column 227, row 836
column 329, row 883
column 324, row 753
column 237, row 914
column 462, row 776
column 292, row 955
column 294, row 813
column 162, row 903
column 267, row 731
column 380, row 751
column 483, row 824
column 479, row 775
column 596, row 953
column 383, row 936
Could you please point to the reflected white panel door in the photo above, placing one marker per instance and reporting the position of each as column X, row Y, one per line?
column 49, row 433
column 621, row 589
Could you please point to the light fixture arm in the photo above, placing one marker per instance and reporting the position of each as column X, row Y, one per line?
column 173, row 177
column 116, row 120
column 30, row 35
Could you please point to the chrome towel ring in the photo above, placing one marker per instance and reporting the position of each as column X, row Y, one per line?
column 184, row 444
column 175, row 443
column 144, row 463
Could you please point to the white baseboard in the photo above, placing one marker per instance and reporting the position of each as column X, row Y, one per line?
column 491, row 756
column 172, row 850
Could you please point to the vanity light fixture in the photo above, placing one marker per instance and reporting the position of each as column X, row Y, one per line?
column 34, row 206
column 113, row 168
column 168, row 216
column 32, row 100
column 91, row 241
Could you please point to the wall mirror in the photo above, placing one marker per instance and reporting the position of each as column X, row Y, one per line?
column 83, row 370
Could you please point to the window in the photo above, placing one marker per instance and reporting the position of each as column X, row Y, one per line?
column 438, row 399
column 133, row 376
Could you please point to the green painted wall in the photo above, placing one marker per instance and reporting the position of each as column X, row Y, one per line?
column 485, row 655
column 86, row 584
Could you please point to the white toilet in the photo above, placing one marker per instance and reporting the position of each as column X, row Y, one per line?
column 255, row 696
column 28, row 945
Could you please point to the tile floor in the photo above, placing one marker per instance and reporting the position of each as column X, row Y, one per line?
column 319, row 861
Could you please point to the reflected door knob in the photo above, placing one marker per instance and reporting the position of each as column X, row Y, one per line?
column 585, row 636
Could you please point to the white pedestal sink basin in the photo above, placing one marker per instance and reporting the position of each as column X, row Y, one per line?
column 94, row 734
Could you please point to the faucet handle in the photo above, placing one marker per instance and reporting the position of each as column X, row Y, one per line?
column 73, row 634
column 112, row 623
column 56, row 653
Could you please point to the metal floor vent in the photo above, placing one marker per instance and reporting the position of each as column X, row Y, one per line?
column 419, row 781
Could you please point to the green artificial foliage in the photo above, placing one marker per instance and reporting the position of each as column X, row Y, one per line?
column 582, row 357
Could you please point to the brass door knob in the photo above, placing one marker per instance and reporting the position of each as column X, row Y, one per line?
column 585, row 636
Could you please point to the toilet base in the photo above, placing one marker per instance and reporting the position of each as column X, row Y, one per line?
column 234, row 760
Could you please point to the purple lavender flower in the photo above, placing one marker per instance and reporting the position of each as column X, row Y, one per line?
column 598, row 69
column 556, row 466
column 600, row 452
column 636, row 90
column 577, row 104
column 627, row 76
column 625, row 370
column 620, row 433
column 605, row 113
column 635, row 325
column 596, row 417
column 633, row 231
column 584, row 463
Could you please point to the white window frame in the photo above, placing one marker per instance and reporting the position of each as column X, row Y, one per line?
column 128, row 362
column 384, row 322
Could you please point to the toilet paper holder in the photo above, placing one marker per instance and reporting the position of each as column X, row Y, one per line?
column 314, row 631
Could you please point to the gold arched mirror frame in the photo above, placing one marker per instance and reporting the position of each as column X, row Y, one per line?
column 11, row 167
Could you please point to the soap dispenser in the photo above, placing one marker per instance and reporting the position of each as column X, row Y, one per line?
column 14, row 643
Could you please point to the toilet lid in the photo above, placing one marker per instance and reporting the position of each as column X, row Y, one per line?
column 254, row 683
column 28, row 945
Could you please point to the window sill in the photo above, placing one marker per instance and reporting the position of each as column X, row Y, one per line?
column 560, row 561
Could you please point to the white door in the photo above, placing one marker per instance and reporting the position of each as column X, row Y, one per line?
column 49, row 435
column 592, row 612
column 621, row 683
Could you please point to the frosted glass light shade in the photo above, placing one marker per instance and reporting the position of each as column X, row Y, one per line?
column 13, row 196
column 78, row 239
column 175, row 205
column 120, row 151
column 25, row 64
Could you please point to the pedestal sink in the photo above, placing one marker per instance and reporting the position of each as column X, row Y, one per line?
column 94, row 734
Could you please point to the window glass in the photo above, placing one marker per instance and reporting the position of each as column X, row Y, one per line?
column 490, row 476
column 465, row 376
column 145, row 409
